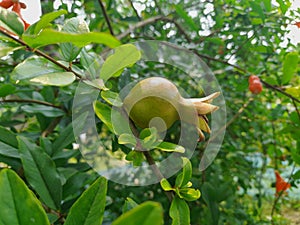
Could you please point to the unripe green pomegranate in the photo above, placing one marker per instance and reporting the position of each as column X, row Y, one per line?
column 157, row 102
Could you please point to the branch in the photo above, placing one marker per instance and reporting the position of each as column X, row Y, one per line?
column 135, row 11
column 146, row 153
column 154, row 20
column 106, row 17
column 30, row 101
column 38, row 52
column 139, row 25
column 245, row 71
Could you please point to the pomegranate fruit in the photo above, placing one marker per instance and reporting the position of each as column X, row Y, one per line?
column 156, row 102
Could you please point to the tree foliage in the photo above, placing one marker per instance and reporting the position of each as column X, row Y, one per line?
column 48, row 179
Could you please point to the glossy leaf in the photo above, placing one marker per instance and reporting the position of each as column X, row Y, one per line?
column 55, row 79
column 65, row 138
column 148, row 213
column 49, row 36
column 166, row 186
column 179, row 212
column 290, row 66
column 76, row 26
column 11, row 21
column 47, row 111
column 46, row 19
column 18, row 204
column 170, row 147
column 184, row 177
column 41, row 173
column 127, row 139
column 190, row 194
column 112, row 98
column 123, row 56
column 34, row 67
column 103, row 112
column 89, row 208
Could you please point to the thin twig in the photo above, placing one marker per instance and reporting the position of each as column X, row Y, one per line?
column 40, row 53
column 135, row 11
column 106, row 17
column 29, row 101
column 146, row 153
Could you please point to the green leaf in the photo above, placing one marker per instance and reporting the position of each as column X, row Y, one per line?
column 112, row 98
column 55, row 79
column 148, row 138
column 127, row 139
column 106, row 114
column 284, row 5
column 103, row 112
column 290, row 66
column 170, row 147
column 89, row 208
column 46, row 19
column 18, row 204
column 258, row 9
column 34, row 67
column 8, row 150
column 183, row 178
column 91, row 62
column 190, row 194
column 136, row 157
column 148, row 213
column 41, row 173
column 8, row 137
column 166, row 186
column 294, row 91
column 73, row 25
column 7, row 89
column 179, row 212
column 11, row 21
column 6, row 48
column 128, row 205
column 65, row 138
column 123, row 56
column 50, row 36
column 47, row 111
column 187, row 19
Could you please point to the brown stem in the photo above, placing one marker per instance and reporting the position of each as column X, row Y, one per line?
column 106, row 17
column 147, row 155
column 40, row 53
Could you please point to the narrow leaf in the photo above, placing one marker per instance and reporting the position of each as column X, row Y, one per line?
column 41, row 173
column 148, row 213
column 49, row 36
column 18, row 204
column 46, row 19
column 89, row 208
